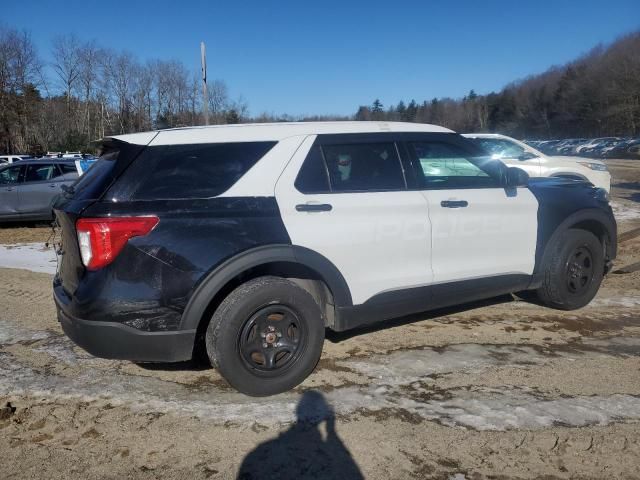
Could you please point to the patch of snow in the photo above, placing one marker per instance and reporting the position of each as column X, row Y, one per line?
column 10, row 334
column 624, row 212
column 28, row 256
column 503, row 409
column 407, row 366
column 627, row 301
column 401, row 381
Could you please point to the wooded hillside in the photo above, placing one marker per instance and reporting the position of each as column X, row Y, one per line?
column 595, row 95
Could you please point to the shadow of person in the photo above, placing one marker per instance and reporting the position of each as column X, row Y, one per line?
column 301, row 452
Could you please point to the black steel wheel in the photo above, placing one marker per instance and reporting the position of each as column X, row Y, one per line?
column 266, row 337
column 579, row 271
column 272, row 339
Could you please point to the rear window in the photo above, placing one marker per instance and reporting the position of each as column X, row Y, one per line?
column 189, row 171
column 92, row 184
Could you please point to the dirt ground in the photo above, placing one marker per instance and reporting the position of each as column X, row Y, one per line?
column 497, row 389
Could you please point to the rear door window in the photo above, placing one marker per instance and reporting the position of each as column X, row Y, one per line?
column 41, row 172
column 364, row 167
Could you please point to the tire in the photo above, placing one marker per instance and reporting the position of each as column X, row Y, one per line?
column 572, row 270
column 266, row 336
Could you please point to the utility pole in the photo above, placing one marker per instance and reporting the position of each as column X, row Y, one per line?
column 205, row 94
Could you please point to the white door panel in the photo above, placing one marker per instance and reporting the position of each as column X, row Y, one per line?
column 494, row 234
column 379, row 241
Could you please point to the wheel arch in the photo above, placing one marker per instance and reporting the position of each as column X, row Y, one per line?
column 592, row 220
column 306, row 267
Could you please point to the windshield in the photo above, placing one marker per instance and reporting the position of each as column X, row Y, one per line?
column 500, row 148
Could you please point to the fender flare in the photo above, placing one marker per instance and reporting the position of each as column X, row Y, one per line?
column 588, row 214
column 215, row 280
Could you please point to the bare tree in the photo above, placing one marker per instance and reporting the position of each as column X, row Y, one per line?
column 67, row 63
column 89, row 54
column 218, row 100
column 121, row 71
column 19, row 78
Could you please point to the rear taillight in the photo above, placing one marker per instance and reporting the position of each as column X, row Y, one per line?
column 101, row 239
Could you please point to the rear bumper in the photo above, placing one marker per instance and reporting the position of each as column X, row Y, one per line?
column 117, row 341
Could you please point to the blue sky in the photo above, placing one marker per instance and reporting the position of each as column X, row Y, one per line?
column 331, row 56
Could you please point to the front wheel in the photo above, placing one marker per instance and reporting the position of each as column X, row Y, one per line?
column 266, row 337
column 573, row 270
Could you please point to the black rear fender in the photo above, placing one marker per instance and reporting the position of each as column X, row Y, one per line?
column 294, row 260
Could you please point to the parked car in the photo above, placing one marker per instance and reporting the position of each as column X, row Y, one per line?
column 633, row 150
column 28, row 187
column 628, row 148
column 546, row 146
column 537, row 164
column 4, row 159
column 250, row 240
column 66, row 154
column 595, row 144
column 569, row 146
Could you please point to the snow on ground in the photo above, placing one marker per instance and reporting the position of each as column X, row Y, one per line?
column 625, row 211
column 28, row 256
column 10, row 334
column 399, row 381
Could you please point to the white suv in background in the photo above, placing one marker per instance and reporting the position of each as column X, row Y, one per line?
column 518, row 154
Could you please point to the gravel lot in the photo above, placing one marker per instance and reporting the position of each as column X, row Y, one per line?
column 496, row 389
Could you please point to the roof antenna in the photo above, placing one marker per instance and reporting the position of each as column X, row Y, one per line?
column 205, row 94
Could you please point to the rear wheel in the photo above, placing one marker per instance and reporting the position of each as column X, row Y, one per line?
column 266, row 337
column 573, row 270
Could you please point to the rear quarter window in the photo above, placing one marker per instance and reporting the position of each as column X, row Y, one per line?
column 189, row 171
column 92, row 184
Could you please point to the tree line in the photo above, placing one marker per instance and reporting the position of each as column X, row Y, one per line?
column 95, row 91
column 596, row 95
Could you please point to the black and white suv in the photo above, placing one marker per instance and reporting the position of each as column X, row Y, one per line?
column 250, row 240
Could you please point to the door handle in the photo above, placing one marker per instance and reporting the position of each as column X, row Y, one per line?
column 454, row 203
column 314, row 207
column 52, row 185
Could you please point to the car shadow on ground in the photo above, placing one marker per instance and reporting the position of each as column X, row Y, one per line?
column 337, row 337
column 310, row 448
column 9, row 224
column 628, row 185
column 201, row 361
column 195, row 365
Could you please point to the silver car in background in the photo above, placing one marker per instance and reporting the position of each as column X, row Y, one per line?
column 28, row 188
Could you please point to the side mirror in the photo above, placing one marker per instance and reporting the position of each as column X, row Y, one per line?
column 526, row 156
column 516, row 177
